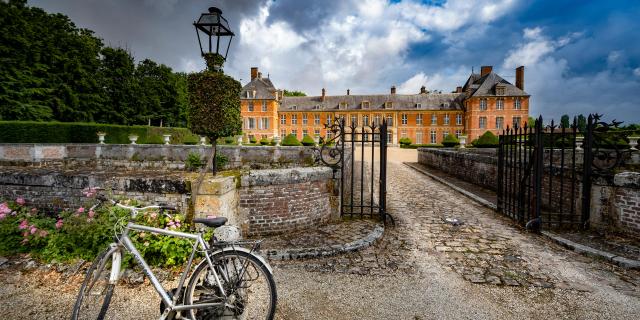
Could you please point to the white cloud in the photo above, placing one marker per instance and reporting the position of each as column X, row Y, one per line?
column 537, row 47
column 636, row 72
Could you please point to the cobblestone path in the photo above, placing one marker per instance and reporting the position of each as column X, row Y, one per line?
column 485, row 249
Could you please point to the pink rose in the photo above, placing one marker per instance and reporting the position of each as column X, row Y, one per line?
column 43, row 233
column 80, row 210
column 91, row 213
column 59, row 224
column 20, row 201
column 2, row 215
column 33, row 229
column 4, row 208
column 23, row 225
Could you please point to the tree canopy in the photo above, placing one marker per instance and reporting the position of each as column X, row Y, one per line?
column 288, row 93
column 52, row 70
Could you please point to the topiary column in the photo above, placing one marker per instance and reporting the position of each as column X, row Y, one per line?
column 214, row 103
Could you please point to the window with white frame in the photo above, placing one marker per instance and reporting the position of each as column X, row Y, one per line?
column 404, row 119
column 329, row 118
column 403, row 133
column 294, row 119
column 316, row 132
column 434, row 136
column 354, row 120
column 264, row 106
column 376, row 120
column 458, row 119
column 304, row 119
column 483, row 104
column 283, row 133
column 516, row 104
column 294, row 132
column 445, row 134
column 365, row 104
column 516, row 122
column 251, row 123
column 294, row 107
column 446, row 119
column 388, row 105
column 304, row 133
column 343, row 105
column 419, row 137
column 483, row 122
column 365, row 120
column 499, row 104
column 265, row 123
column 499, row 122
column 458, row 133
column 250, row 107
column 283, row 119
column 419, row 119
column 418, row 105
column 389, row 120
column 316, row 119
column 434, row 119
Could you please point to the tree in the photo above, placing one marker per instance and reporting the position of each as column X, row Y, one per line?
column 288, row 93
column 564, row 121
column 531, row 122
column 214, row 100
column 582, row 123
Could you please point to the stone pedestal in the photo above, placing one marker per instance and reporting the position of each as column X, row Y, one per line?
column 218, row 197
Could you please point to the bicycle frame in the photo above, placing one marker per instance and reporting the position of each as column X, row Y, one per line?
column 170, row 303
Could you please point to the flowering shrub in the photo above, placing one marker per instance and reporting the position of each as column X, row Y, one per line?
column 83, row 233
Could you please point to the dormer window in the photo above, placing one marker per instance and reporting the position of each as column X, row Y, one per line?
column 316, row 107
column 343, row 105
column 294, row 107
column 500, row 90
column 418, row 105
column 388, row 105
column 254, row 94
column 365, row 104
column 248, row 95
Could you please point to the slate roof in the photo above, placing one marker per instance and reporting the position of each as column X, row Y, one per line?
column 477, row 86
column 427, row 101
column 263, row 87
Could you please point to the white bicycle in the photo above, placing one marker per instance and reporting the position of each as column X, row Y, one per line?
column 231, row 282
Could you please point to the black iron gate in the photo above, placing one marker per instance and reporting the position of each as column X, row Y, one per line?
column 545, row 172
column 359, row 155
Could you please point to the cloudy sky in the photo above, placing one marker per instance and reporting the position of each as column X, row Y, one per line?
column 580, row 56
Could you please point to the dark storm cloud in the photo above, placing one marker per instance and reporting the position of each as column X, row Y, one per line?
column 307, row 15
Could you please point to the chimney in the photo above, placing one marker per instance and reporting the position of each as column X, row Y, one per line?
column 520, row 77
column 393, row 89
column 423, row 89
column 458, row 89
column 259, row 75
column 254, row 73
column 485, row 70
column 348, row 91
column 323, row 94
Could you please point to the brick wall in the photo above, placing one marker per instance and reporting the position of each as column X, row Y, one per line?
column 281, row 200
column 134, row 157
column 627, row 201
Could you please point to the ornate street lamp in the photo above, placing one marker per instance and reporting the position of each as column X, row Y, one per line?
column 216, row 28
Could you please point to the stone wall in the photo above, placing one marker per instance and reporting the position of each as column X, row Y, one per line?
column 149, row 156
column 281, row 200
column 478, row 166
column 615, row 205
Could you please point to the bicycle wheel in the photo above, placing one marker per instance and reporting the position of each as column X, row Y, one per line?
column 248, row 283
column 96, row 292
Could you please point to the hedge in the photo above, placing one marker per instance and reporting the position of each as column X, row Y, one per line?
column 78, row 132
column 424, row 145
column 486, row 140
column 308, row 141
column 291, row 140
column 450, row 141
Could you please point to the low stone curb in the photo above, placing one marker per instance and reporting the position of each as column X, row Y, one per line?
column 617, row 260
column 474, row 197
column 579, row 248
column 302, row 253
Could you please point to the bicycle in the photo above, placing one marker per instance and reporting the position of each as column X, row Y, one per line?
column 231, row 282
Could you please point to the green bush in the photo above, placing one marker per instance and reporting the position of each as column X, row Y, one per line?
column 193, row 162
column 264, row 141
column 252, row 139
column 79, row 132
column 450, row 141
column 82, row 234
column 291, row 140
column 229, row 140
column 273, row 142
column 486, row 140
column 405, row 141
column 308, row 141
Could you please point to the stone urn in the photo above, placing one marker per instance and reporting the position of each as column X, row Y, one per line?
column 203, row 140
column 239, row 140
column 579, row 141
column 276, row 139
column 133, row 138
column 101, row 136
column 463, row 141
column 633, row 142
column 167, row 139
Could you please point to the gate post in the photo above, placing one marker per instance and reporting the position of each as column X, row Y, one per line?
column 587, row 171
column 538, row 172
column 383, row 171
column 500, row 171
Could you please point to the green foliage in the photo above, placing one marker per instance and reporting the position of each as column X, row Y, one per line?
column 229, row 140
column 290, row 140
column 214, row 61
column 486, row 140
column 450, row 141
column 273, row 142
column 405, row 141
column 52, row 70
column 564, row 121
column 77, row 132
column 82, row 234
column 214, row 105
column 288, row 93
column 423, row 145
column 253, row 139
column 308, row 141
column 531, row 122
column 221, row 160
column 582, row 123
column 193, row 161
column 264, row 141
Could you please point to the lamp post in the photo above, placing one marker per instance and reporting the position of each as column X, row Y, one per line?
column 217, row 36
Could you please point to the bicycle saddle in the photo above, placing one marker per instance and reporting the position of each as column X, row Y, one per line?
column 211, row 222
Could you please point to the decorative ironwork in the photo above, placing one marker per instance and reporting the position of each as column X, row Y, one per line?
column 357, row 178
column 609, row 144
